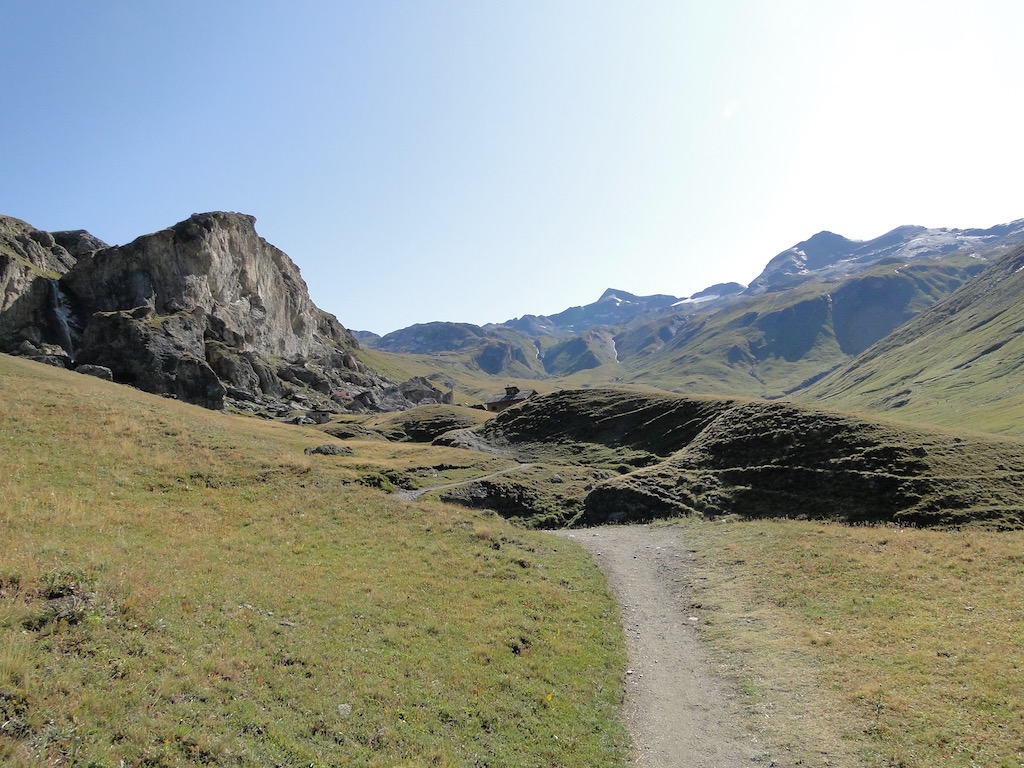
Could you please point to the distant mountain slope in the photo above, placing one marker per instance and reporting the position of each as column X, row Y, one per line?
column 426, row 338
column 774, row 342
column 829, row 256
column 494, row 350
column 814, row 306
column 614, row 307
column 590, row 349
column 959, row 362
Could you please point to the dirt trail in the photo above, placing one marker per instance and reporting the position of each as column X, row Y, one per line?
column 415, row 494
column 679, row 715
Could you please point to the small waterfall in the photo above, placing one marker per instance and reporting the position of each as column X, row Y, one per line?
column 62, row 317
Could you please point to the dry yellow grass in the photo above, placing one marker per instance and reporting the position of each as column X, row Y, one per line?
column 899, row 647
column 182, row 587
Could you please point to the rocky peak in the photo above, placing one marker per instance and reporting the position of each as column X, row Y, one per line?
column 719, row 289
column 828, row 256
column 206, row 311
column 214, row 265
column 78, row 242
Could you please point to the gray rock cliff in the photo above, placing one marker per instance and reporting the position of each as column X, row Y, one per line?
column 215, row 265
column 206, row 311
column 31, row 309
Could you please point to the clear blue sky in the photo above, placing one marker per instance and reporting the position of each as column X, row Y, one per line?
column 474, row 161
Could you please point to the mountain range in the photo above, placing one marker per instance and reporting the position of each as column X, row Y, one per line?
column 814, row 308
column 209, row 312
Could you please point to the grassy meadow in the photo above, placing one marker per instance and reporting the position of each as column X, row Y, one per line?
column 181, row 587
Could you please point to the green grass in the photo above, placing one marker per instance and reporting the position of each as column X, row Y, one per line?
column 472, row 386
column 957, row 364
column 896, row 647
column 180, row 587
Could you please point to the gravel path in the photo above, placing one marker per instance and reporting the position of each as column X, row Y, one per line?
column 415, row 494
column 679, row 715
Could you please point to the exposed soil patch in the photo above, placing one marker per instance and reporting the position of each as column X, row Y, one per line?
column 679, row 713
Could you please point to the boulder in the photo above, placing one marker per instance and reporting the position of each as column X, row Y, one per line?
column 234, row 370
column 420, row 391
column 330, row 449
column 57, row 361
column 164, row 355
column 99, row 371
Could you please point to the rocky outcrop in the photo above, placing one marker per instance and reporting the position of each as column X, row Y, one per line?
column 158, row 354
column 216, row 265
column 31, row 261
column 206, row 311
column 78, row 242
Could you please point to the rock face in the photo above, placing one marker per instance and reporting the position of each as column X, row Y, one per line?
column 31, row 261
column 206, row 311
column 213, row 264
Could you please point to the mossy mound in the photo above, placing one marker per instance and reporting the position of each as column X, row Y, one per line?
column 421, row 424
column 759, row 459
column 425, row 422
column 657, row 424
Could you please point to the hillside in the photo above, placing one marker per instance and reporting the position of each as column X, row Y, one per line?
column 622, row 456
column 958, row 363
column 769, row 344
column 208, row 312
column 183, row 587
column 763, row 345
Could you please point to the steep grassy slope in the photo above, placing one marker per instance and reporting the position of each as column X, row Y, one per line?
column 180, row 587
column 770, row 344
column 959, row 363
column 665, row 456
column 591, row 349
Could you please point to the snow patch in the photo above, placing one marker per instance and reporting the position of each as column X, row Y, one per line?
column 698, row 300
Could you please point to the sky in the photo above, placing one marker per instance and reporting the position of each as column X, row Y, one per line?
column 477, row 161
